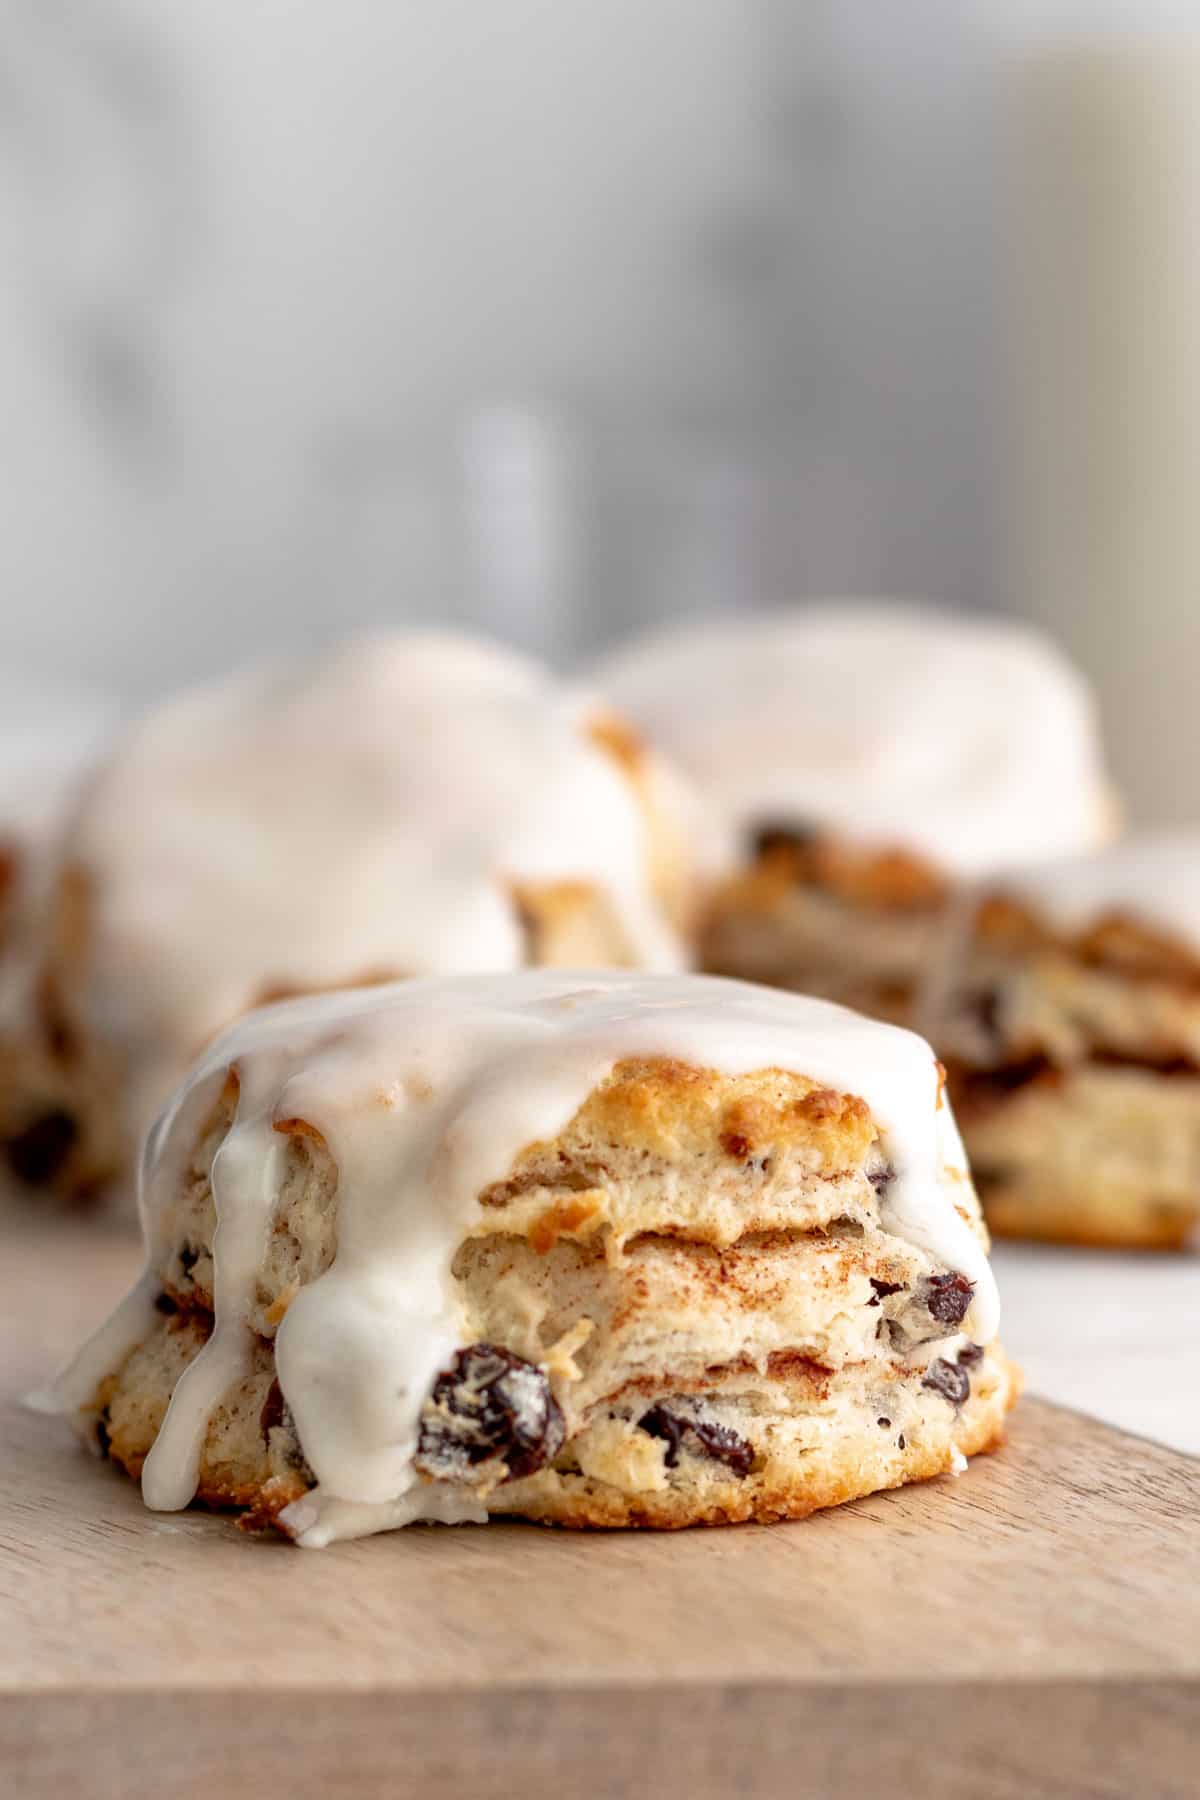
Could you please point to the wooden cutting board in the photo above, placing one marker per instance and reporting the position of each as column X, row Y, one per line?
column 1032, row 1628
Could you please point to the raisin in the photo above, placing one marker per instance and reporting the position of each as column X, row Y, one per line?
column 188, row 1258
column 659, row 1423
column 948, row 1297
column 723, row 1444
column 982, row 1085
column 700, row 1437
column 969, row 1355
column 103, row 1435
column 900, row 1441
column 951, row 1382
column 489, row 1404
column 37, row 1154
column 881, row 1178
column 883, row 1289
column 164, row 1304
column 984, row 1004
column 772, row 836
column 272, row 1410
column 884, row 1422
column 277, row 1414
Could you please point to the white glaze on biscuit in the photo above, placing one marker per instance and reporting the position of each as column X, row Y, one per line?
column 971, row 741
column 425, row 1093
column 359, row 818
column 1153, row 880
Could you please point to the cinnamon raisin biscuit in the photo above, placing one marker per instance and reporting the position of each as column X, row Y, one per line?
column 590, row 1249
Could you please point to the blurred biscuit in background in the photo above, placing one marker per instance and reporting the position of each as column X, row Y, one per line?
column 403, row 805
column 864, row 759
column 1067, row 1006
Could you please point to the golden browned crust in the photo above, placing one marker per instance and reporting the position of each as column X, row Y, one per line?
column 676, row 1111
column 882, row 879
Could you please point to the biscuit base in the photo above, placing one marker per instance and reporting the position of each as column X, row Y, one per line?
column 848, row 1466
column 820, row 1440
column 1101, row 1157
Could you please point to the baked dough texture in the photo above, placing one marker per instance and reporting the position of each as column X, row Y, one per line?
column 690, row 1305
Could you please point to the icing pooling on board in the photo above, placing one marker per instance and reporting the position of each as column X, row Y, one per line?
column 972, row 741
column 1153, row 879
column 425, row 1092
column 359, row 817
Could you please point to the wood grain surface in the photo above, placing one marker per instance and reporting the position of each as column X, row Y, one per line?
column 1031, row 1628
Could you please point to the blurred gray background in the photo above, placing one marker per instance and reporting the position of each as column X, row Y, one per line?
column 558, row 318
column 547, row 316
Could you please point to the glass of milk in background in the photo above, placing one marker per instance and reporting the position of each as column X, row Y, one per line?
column 1107, row 262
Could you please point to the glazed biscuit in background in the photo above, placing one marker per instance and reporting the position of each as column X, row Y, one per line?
column 1067, row 1006
column 590, row 1249
column 401, row 806
column 864, row 759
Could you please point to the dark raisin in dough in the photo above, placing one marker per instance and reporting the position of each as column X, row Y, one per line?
column 700, row 1437
column 948, row 1297
column 772, row 835
column 883, row 1289
column 489, row 1404
column 946, row 1379
column 36, row 1154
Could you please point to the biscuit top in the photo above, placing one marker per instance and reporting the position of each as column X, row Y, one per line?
column 361, row 817
column 1152, row 881
column 970, row 741
column 425, row 1093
